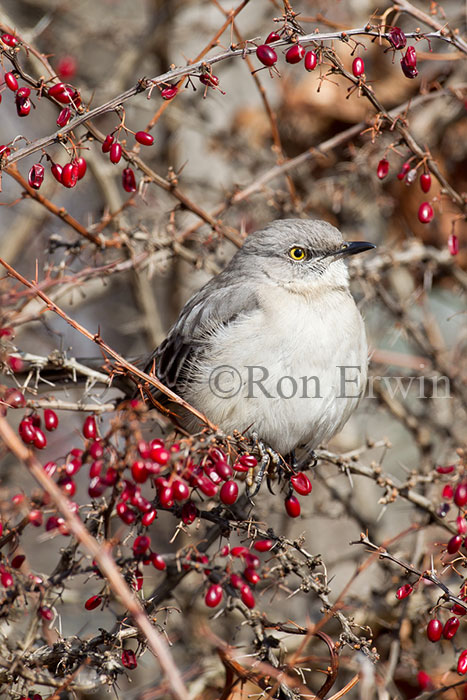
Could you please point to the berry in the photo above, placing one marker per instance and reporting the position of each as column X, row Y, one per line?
column 301, row 484
column 129, row 659
column 159, row 454
column 57, row 171
column 128, row 180
column 460, row 495
column 149, row 517
column 266, row 55
column 189, row 512
column 6, row 579
column 90, row 428
column 447, row 492
column 223, row 469
column 425, row 182
column 425, row 213
column 115, row 152
column 158, row 562
column 247, row 596
column 36, row 176
column 462, row 663
column 144, row 138
column 14, row 397
column 445, row 470
column 45, row 612
column 69, row 175
column 358, row 66
column 292, row 506
column 271, row 37
column 434, row 630
column 382, row 169
column 22, row 93
column 450, row 627
column 213, row 595
column 35, row 517
column 82, row 167
column 18, row 561
column 96, row 487
column 209, row 79
column 27, row 431
column 139, row 472
column 397, row 38
column 248, row 461
column 180, row 490
column 295, row 53
column 311, row 60
column 66, row 67
column 166, row 497
column 251, row 575
column 141, row 545
column 64, row 117
column 108, row 141
column 10, row 40
column 65, row 94
column 453, row 244
column 424, row 681
column 67, row 485
column 168, row 93
column 411, row 56
column 454, row 544
column 40, row 441
column 404, row 591
column 50, row 419
column 461, row 523
column 229, row 492
column 263, row 545
column 11, row 81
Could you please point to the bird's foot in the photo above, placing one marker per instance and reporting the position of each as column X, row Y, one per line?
column 268, row 458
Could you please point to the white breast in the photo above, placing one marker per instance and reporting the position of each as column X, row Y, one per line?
column 303, row 349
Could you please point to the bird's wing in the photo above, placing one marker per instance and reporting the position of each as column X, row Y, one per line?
column 217, row 304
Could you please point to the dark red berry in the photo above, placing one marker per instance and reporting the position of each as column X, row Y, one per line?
column 27, row 431
column 14, row 397
column 447, row 492
column 22, row 93
column 251, row 575
column 462, row 663
column 46, row 613
column 266, row 55
column 311, row 60
column 189, row 513
column 434, row 630
column 18, row 561
column 425, row 213
column 144, row 138
column 358, row 66
column 425, row 182
column 11, row 81
column 409, row 63
column 292, row 506
column 404, row 591
column 453, row 244
column 263, row 545
column 10, row 40
column 128, row 180
column 209, row 79
column 229, row 492
column 445, row 470
column 65, row 94
column 108, row 141
column 411, row 56
column 169, row 92
column 271, row 37
column 461, row 523
column 50, row 419
column 301, row 484
column 149, row 517
column 382, row 169
column 115, row 152
column 454, row 544
column 90, row 428
column 159, row 454
column 93, row 602
column 295, row 53
column 64, row 117
column 213, row 595
column 141, row 544
column 4, row 151
column 158, row 562
column 248, row 461
column 247, row 596
column 424, row 681
column 6, row 579
column 397, row 38
column 139, row 472
column 36, row 176
column 56, row 171
column 460, row 494
column 450, row 627
column 82, row 167
column 129, row 659
column 69, row 175
column 180, row 490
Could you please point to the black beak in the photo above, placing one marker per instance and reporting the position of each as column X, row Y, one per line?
column 353, row 248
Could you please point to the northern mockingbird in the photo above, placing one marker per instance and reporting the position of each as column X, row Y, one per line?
column 275, row 343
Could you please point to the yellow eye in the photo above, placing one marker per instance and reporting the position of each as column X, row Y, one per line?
column 297, row 253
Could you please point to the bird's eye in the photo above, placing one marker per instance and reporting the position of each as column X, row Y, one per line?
column 297, row 253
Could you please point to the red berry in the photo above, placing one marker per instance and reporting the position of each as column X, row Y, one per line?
column 209, row 79
column 158, row 562
column 358, row 66
column 40, row 441
column 382, row 169
column 292, row 506
column 247, row 596
column 266, row 55
column 461, row 523
column 248, row 461
column 251, row 575
column 125, row 513
column 425, row 182
column 159, row 454
column 14, row 397
column 90, row 428
column 301, row 484
column 453, row 244
column 82, row 166
column 67, row 485
column 189, row 512
column 115, row 152
column 460, row 494
column 238, row 551
column 108, row 141
column 22, row 93
column 404, row 591
column 96, row 487
column 445, row 470
column 166, row 498
column 424, row 681
column 411, row 56
column 454, row 544
column 46, row 613
column 409, row 63
column 65, row 94
column 141, row 545
column 36, row 176
column 4, row 151
column 169, row 92
column 35, row 517
column 425, row 213
column 64, row 117
column 27, row 431
column 223, row 469
column 229, row 492
column 69, row 175
column 213, row 595
column 10, row 40
column 295, row 53
column 144, row 138
column 462, row 663
column 447, row 492
column 397, row 38
column 149, row 517
column 311, row 60
column 57, row 171
column 10, row 81
column 450, row 627
column 6, row 579
column 66, row 67
column 434, row 630
column 180, row 490
column 128, row 180
column 129, row 659
column 263, row 545
column 271, row 37
column 50, row 468
column 50, row 419
column 18, row 561
column 139, row 472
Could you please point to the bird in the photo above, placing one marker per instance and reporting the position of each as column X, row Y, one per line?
column 274, row 345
